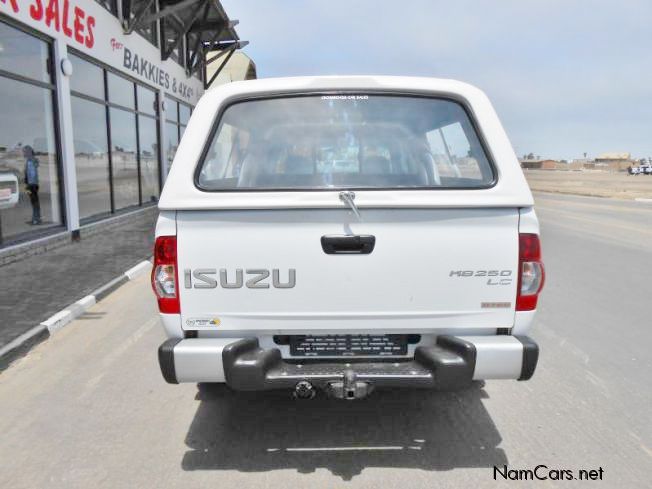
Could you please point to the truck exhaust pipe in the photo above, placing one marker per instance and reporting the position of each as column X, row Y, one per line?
column 304, row 390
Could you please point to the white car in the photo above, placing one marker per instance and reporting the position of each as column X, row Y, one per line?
column 9, row 191
column 641, row 169
column 417, row 266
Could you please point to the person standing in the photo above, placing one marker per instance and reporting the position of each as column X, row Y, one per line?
column 31, row 182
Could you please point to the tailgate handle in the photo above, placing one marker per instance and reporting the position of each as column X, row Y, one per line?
column 348, row 244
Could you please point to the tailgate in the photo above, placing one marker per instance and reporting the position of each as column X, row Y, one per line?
column 266, row 270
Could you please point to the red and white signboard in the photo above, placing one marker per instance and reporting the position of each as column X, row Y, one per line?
column 88, row 27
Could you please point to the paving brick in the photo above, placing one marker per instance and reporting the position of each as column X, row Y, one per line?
column 38, row 286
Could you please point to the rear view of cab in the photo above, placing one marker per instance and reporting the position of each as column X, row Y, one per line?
column 345, row 234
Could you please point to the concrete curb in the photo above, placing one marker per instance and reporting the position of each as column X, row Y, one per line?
column 65, row 316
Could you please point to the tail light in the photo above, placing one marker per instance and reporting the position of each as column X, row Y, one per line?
column 165, row 278
column 531, row 273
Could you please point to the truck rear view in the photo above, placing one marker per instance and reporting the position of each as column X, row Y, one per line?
column 344, row 234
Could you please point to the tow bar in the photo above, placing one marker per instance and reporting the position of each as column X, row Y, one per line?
column 447, row 365
column 349, row 388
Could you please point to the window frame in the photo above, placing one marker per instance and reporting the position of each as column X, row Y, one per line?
column 106, row 69
column 101, row 215
column 177, row 122
column 249, row 98
column 39, row 35
column 52, row 87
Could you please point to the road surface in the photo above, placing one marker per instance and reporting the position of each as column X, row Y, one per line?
column 88, row 408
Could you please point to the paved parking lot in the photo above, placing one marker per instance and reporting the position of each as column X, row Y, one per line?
column 89, row 408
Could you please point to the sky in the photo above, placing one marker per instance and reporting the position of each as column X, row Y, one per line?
column 567, row 77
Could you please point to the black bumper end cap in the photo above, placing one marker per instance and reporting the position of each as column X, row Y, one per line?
column 246, row 364
column 530, row 357
column 452, row 361
column 166, row 360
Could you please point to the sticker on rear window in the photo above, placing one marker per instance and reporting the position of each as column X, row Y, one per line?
column 345, row 97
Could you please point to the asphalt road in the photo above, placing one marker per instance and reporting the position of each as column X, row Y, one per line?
column 89, row 408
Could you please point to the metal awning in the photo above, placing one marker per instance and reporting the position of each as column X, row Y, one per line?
column 203, row 23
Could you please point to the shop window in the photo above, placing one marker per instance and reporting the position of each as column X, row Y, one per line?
column 146, row 100
column 171, row 110
column 177, row 115
column 121, row 91
column 184, row 117
column 91, row 157
column 30, row 199
column 171, row 142
column 149, row 158
column 86, row 78
column 124, row 161
column 129, row 148
column 23, row 55
column 184, row 114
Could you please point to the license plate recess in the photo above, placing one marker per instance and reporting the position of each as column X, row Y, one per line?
column 348, row 345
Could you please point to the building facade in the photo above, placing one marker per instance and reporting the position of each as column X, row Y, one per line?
column 90, row 116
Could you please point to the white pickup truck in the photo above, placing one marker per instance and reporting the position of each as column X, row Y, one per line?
column 343, row 234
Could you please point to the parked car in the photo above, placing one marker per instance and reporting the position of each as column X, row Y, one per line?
column 645, row 169
column 9, row 189
column 275, row 272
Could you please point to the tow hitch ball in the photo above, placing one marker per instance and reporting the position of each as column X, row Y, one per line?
column 349, row 388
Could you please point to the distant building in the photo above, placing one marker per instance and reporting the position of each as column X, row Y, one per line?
column 614, row 161
column 611, row 157
column 537, row 164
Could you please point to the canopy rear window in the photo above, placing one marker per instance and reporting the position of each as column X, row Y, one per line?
column 344, row 141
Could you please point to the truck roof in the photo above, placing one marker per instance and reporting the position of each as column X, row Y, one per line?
column 181, row 193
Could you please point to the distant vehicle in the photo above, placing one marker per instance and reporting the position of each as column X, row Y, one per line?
column 8, row 190
column 380, row 269
column 645, row 169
